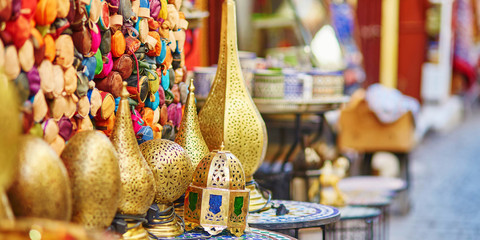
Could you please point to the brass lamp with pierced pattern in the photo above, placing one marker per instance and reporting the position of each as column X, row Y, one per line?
column 189, row 135
column 229, row 114
column 138, row 183
column 172, row 169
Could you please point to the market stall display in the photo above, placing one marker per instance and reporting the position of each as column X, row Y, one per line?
column 100, row 83
column 68, row 59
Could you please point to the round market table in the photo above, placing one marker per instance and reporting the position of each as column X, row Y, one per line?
column 254, row 233
column 356, row 221
column 385, row 185
column 372, row 199
column 300, row 215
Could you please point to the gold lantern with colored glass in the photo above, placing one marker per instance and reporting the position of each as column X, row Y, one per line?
column 229, row 114
column 217, row 199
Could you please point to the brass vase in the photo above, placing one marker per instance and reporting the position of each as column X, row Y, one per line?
column 229, row 114
column 138, row 183
column 172, row 169
column 9, row 143
column 92, row 164
column 189, row 135
column 41, row 188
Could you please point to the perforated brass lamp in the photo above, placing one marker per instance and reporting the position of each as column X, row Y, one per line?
column 172, row 169
column 229, row 114
column 138, row 183
column 217, row 199
column 189, row 135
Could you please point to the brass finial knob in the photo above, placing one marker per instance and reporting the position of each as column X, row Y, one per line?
column 191, row 88
column 222, row 146
column 125, row 93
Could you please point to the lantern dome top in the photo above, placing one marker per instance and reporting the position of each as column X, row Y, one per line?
column 219, row 169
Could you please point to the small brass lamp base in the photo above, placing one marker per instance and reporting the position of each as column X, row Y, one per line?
column 167, row 225
column 135, row 231
column 257, row 200
column 179, row 206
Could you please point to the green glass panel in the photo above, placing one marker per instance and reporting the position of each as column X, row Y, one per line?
column 192, row 201
column 238, row 205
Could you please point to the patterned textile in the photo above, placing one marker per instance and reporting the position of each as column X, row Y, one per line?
column 464, row 55
column 389, row 104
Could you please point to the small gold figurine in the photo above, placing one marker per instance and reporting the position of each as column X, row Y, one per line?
column 330, row 176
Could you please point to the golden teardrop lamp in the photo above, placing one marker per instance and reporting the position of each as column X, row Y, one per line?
column 229, row 114
column 138, row 183
column 189, row 135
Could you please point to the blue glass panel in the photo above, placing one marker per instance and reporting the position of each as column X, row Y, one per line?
column 215, row 203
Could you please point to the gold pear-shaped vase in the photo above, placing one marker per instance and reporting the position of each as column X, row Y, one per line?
column 92, row 164
column 9, row 143
column 189, row 135
column 41, row 188
column 172, row 169
column 229, row 114
column 138, row 184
